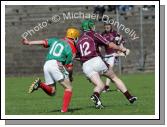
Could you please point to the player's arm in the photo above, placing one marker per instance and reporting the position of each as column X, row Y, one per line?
column 103, row 40
column 116, row 47
column 39, row 42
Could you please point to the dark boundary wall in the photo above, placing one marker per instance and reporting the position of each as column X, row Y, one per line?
column 23, row 60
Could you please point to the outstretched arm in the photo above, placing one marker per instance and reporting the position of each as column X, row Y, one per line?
column 26, row 42
column 123, row 51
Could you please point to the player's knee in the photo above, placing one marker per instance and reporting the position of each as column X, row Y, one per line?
column 66, row 84
column 110, row 74
column 68, row 89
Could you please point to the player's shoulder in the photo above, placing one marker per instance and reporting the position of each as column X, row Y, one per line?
column 64, row 43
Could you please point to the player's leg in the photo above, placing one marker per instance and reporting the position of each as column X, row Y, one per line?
column 69, row 68
column 60, row 74
column 99, row 86
column 107, row 85
column 109, row 61
column 67, row 94
column 120, row 85
column 92, row 71
column 47, row 86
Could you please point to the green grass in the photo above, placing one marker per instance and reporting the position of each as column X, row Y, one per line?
column 19, row 102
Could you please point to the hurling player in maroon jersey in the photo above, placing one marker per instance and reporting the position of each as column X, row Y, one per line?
column 92, row 64
column 111, row 54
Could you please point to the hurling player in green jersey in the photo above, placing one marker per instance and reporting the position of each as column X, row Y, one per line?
column 59, row 54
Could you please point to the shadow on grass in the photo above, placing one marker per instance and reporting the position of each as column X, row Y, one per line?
column 72, row 110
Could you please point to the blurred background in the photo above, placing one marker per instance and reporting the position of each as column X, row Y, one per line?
column 23, row 60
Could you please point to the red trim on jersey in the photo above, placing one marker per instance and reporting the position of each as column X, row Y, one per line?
column 45, row 45
column 71, row 43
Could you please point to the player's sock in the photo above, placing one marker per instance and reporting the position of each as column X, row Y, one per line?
column 66, row 100
column 106, row 87
column 97, row 94
column 127, row 95
column 46, row 88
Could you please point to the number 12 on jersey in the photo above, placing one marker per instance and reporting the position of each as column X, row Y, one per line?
column 84, row 49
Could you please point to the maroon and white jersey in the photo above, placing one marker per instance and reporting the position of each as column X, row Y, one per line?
column 110, row 36
column 87, row 45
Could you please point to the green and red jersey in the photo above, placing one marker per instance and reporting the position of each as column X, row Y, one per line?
column 59, row 50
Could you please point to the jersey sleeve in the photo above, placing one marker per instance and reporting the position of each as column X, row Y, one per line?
column 48, row 42
column 100, row 39
column 45, row 45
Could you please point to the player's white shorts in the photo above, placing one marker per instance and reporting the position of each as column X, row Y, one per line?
column 110, row 59
column 53, row 73
column 93, row 66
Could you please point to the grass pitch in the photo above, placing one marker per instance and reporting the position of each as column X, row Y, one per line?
column 19, row 102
